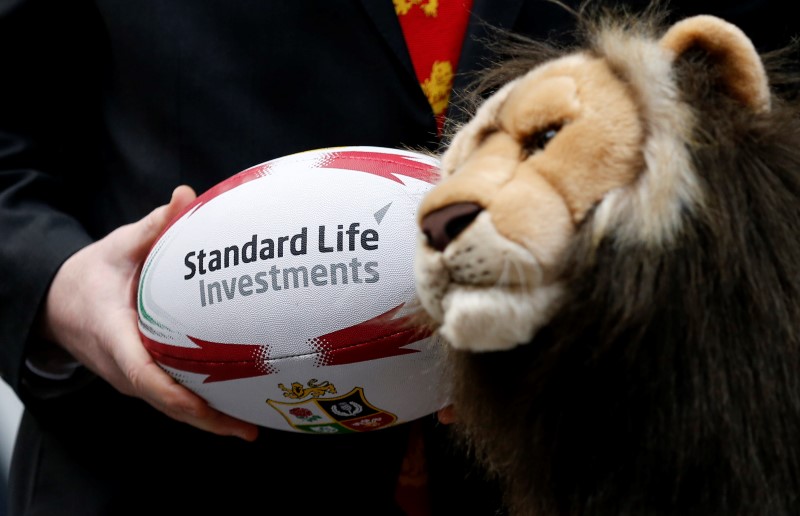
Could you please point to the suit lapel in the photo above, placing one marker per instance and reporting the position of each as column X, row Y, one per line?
column 496, row 13
column 385, row 19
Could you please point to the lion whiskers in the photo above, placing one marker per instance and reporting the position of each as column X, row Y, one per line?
column 523, row 277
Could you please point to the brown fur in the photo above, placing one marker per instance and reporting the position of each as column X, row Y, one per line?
column 668, row 381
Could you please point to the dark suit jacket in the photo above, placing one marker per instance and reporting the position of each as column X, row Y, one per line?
column 106, row 106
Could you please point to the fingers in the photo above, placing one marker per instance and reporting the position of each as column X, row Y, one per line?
column 151, row 383
column 183, row 405
column 447, row 415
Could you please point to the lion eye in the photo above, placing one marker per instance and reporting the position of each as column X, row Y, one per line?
column 539, row 140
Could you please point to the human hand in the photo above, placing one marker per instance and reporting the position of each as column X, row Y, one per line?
column 91, row 312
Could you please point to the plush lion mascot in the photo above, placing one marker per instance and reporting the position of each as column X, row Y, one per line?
column 613, row 256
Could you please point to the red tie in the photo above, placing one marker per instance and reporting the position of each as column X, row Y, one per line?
column 434, row 32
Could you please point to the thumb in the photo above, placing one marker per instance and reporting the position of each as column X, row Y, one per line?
column 144, row 232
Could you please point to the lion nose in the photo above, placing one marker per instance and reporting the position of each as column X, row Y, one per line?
column 443, row 225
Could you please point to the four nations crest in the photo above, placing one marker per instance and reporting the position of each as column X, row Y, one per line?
column 318, row 414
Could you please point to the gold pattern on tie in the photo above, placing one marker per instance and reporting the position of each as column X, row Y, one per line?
column 434, row 31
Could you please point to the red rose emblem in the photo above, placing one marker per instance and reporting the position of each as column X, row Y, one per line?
column 300, row 413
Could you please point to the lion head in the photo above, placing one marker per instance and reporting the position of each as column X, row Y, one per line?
column 613, row 256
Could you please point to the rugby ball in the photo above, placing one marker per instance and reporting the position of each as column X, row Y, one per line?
column 284, row 295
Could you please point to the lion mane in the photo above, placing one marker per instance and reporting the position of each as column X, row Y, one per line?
column 613, row 257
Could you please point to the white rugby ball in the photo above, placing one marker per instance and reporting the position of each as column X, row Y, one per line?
column 283, row 295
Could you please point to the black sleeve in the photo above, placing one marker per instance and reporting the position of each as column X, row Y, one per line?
column 48, row 76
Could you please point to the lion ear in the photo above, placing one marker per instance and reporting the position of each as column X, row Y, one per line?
column 742, row 70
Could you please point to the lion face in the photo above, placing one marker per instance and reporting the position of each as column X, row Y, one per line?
column 597, row 142
column 516, row 183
